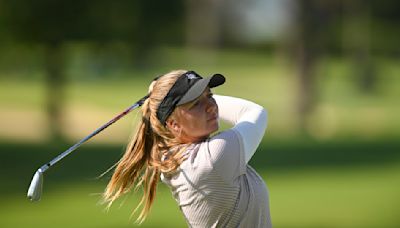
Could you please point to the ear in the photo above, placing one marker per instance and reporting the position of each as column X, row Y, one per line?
column 173, row 125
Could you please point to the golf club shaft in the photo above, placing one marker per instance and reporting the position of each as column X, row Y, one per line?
column 72, row 148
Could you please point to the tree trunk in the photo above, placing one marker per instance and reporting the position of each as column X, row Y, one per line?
column 357, row 42
column 203, row 27
column 55, row 88
column 307, row 44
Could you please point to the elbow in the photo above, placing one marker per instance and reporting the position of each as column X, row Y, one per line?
column 263, row 118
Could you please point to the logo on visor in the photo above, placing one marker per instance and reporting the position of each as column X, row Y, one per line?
column 191, row 76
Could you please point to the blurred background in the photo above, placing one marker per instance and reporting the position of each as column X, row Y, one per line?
column 327, row 71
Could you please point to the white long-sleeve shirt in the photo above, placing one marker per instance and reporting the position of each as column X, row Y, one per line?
column 248, row 119
column 215, row 187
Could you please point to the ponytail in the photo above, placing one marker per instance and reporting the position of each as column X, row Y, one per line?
column 142, row 163
column 133, row 170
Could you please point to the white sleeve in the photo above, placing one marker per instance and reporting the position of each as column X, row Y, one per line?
column 249, row 120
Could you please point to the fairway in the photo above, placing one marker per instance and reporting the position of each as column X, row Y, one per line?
column 360, row 196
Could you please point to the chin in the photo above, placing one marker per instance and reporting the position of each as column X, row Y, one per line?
column 215, row 128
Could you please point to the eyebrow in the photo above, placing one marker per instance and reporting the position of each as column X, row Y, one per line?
column 204, row 94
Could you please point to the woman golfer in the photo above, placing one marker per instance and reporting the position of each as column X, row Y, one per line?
column 207, row 173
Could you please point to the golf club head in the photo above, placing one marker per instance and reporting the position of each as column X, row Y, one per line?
column 35, row 189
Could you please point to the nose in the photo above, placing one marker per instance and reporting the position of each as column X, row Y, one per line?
column 211, row 105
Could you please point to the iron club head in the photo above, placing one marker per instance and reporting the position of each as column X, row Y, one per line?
column 35, row 189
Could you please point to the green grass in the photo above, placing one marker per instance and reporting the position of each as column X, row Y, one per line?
column 345, row 197
column 354, row 196
column 312, row 184
column 341, row 109
column 77, row 205
column 345, row 175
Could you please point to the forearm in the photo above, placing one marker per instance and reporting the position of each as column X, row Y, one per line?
column 249, row 120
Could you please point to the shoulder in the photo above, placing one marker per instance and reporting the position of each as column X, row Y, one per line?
column 223, row 146
column 220, row 156
column 226, row 140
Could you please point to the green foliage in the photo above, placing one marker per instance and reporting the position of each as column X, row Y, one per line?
column 47, row 21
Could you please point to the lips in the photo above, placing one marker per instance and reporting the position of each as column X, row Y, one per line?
column 214, row 117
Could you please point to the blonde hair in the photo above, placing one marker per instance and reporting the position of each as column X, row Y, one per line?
column 142, row 162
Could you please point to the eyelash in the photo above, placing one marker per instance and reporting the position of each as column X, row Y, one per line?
column 209, row 96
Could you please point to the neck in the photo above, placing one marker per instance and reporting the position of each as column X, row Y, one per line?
column 187, row 139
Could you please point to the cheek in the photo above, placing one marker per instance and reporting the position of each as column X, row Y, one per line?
column 195, row 123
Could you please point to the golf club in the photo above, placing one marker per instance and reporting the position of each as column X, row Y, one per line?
column 35, row 188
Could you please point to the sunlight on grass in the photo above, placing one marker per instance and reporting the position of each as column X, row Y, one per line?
column 77, row 205
column 341, row 109
column 348, row 197
column 311, row 197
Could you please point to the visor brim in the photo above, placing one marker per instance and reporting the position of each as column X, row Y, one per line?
column 197, row 89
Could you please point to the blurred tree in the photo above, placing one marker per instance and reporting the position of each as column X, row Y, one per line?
column 48, row 23
column 315, row 34
column 357, row 40
column 159, row 23
column 385, row 30
column 55, row 83
column 204, row 23
column 359, row 29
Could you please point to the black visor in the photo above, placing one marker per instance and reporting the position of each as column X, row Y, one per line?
column 187, row 88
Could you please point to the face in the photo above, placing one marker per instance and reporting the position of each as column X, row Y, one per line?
column 195, row 121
